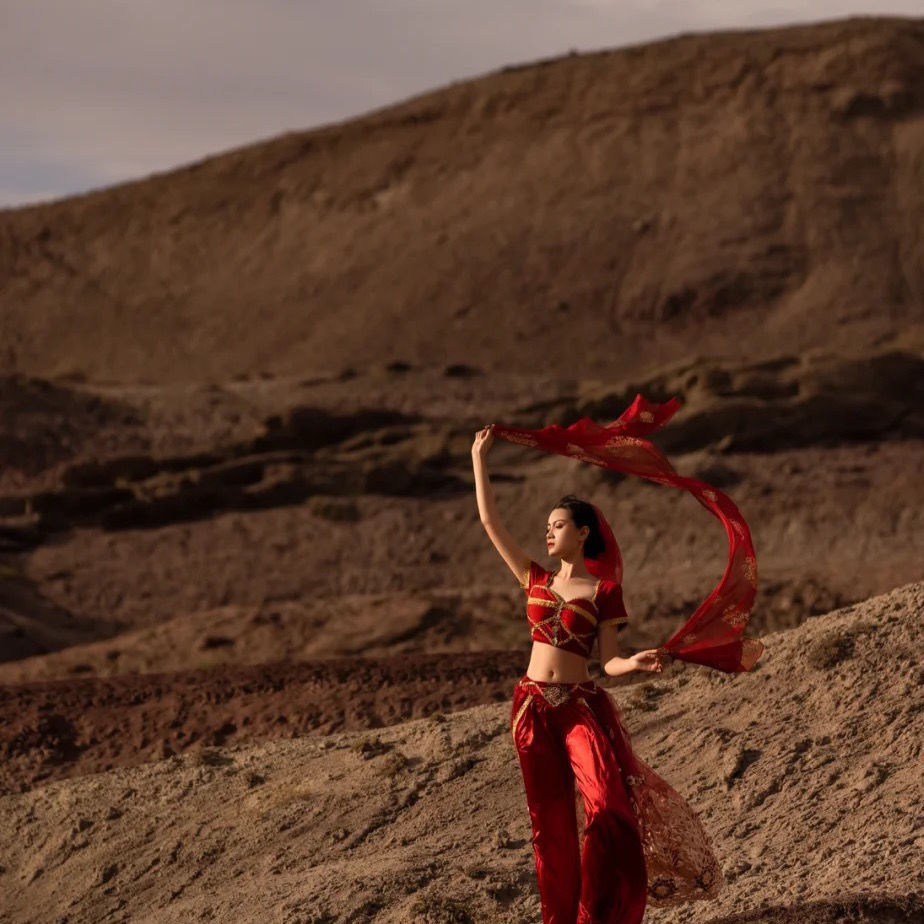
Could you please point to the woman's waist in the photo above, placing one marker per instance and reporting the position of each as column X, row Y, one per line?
column 556, row 665
column 556, row 692
column 588, row 685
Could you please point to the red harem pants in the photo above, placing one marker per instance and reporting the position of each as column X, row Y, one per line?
column 564, row 732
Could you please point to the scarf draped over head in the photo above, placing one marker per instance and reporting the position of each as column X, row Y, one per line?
column 714, row 634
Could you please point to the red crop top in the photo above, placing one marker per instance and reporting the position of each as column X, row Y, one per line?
column 569, row 624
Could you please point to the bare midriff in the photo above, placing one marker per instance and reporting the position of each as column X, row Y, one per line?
column 546, row 662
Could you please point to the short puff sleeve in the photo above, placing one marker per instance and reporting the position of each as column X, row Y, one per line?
column 610, row 606
column 531, row 573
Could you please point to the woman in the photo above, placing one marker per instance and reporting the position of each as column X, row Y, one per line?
column 641, row 841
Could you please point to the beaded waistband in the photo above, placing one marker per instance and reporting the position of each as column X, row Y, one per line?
column 556, row 692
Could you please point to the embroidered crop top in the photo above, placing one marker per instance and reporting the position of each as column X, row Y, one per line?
column 569, row 624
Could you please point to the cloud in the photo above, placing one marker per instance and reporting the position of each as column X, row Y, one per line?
column 102, row 91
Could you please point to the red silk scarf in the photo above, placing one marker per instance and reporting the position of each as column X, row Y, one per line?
column 714, row 634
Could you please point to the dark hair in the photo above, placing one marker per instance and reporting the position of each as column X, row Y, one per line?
column 583, row 514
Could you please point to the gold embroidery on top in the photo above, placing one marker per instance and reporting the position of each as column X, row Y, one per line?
column 593, row 598
column 614, row 621
column 552, row 625
column 524, row 581
column 571, row 605
column 585, row 613
column 518, row 716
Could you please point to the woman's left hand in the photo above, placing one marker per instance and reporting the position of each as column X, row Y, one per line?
column 651, row 659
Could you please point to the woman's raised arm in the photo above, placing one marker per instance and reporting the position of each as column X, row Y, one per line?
column 517, row 560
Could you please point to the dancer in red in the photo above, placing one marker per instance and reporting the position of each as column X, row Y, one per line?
column 643, row 844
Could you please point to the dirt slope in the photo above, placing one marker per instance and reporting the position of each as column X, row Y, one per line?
column 806, row 772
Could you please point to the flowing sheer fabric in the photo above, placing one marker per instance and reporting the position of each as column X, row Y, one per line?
column 681, row 865
column 714, row 634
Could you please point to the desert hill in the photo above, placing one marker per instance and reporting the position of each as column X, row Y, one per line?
column 763, row 188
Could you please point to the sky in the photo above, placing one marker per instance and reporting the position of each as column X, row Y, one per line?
column 97, row 92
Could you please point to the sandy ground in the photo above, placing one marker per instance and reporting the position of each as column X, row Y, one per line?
column 806, row 772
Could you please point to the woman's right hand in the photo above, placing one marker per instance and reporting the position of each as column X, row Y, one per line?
column 483, row 440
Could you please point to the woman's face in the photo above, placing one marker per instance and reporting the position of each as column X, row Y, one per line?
column 562, row 537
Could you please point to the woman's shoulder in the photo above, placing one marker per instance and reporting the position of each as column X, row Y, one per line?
column 609, row 583
column 532, row 573
column 610, row 605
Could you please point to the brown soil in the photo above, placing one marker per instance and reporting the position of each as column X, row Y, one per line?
column 805, row 772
